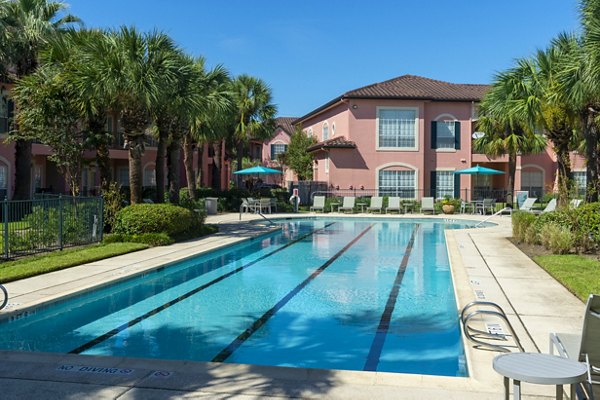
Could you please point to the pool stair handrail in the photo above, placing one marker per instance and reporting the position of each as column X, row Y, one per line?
column 505, row 209
column 5, row 296
column 484, row 340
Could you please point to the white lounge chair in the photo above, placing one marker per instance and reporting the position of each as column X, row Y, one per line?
column 265, row 205
column 249, row 205
column 551, row 206
column 348, row 204
column 393, row 205
column 318, row 203
column 528, row 204
column 376, row 204
column 427, row 204
column 575, row 203
column 584, row 347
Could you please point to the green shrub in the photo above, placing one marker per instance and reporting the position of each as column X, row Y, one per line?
column 557, row 239
column 587, row 226
column 530, row 235
column 151, row 239
column 521, row 222
column 155, row 218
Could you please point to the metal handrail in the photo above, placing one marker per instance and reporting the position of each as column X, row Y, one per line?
column 479, row 336
column 5, row 294
column 493, row 215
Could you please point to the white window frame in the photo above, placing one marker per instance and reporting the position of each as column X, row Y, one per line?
column 145, row 177
column 437, row 186
column 277, row 143
column 579, row 172
column 447, row 118
column 398, row 165
column 539, row 170
column 324, row 128
column 327, row 164
column 415, row 147
column 332, row 129
column 309, row 132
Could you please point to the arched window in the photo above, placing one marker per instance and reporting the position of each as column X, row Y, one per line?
column 532, row 180
column 397, row 180
column 333, row 129
column 325, row 131
column 149, row 175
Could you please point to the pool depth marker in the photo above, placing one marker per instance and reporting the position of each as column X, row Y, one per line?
column 184, row 296
column 386, row 317
column 237, row 342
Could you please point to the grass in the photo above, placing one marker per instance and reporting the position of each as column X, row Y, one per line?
column 579, row 274
column 36, row 265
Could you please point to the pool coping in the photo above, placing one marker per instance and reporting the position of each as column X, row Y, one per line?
column 481, row 383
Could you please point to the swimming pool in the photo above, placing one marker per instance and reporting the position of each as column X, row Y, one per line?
column 357, row 294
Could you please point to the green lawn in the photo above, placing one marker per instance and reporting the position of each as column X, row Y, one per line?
column 581, row 275
column 36, row 265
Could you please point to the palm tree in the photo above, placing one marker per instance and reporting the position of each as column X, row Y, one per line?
column 130, row 70
column 254, row 115
column 27, row 26
column 506, row 131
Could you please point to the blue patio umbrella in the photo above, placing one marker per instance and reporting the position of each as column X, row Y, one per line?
column 477, row 170
column 259, row 169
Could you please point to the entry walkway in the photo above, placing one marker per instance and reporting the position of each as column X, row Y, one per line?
column 484, row 263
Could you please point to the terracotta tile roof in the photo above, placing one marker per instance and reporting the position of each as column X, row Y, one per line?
column 417, row 87
column 285, row 123
column 409, row 87
column 339, row 142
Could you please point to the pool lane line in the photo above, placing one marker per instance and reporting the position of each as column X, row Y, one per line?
column 184, row 296
column 237, row 342
column 384, row 324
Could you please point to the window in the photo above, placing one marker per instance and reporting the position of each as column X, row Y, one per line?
column 397, row 128
column 444, row 184
column 37, row 177
column 277, row 149
column 579, row 181
column 325, row 131
column 533, row 182
column 123, row 176
column 149, row 176
column 309, row 132
column 327, row 164
column 6, row 111
column 397, row 183
column 333, row 129
column 445, row 135
column 3, row 180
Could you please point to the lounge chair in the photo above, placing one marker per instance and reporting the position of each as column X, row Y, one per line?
column 465, row 206
column 393, row 205
column 584, row 347
column 348, row 204
column 265, row 205
column 527, row 204
column 575, row 203
column 249, row 205
column 551, row 206
column 376, row 204
column 318, row 203
column 427, row 205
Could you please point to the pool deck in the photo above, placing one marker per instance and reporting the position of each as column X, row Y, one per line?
column 485, row 265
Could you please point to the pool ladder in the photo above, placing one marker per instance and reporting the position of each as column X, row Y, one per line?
column 488, row 339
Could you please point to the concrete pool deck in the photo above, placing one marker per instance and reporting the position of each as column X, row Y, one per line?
column 485, row 266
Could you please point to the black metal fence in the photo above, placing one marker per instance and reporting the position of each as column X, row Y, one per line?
column 49, row 222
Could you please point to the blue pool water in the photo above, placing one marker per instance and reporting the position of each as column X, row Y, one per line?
column 354, row 294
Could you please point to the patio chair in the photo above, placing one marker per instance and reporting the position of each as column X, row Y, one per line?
column 485, row 206
column 318, row 203
column 348, row 204
column 265, row 205
column 376, row 204
column 551, row 206
column 583, row 347
column 527, row 204
column 465, row 207
column 393, row 205
column 427, row 205
column 575, row 203
column 249, row 205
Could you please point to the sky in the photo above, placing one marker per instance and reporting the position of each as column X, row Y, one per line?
column 311, row 51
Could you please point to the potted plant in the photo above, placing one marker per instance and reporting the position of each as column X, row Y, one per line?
column 449, row 205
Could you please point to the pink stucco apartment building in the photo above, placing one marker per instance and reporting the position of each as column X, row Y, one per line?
column 407, row 136
column 267, row 151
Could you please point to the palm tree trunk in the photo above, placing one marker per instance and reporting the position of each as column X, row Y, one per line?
column 136, row 149
column 240, row 160
column 216, row 172
column 103, row 161
column 22, row 170
column 200, row 147
column 161, row 153
column 563, row 160
column 591, row 155
column 173, row 168
column 512, row 168
column 188, row 162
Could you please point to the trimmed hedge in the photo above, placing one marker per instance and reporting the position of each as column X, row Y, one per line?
column 151, row 239
column 138, row 219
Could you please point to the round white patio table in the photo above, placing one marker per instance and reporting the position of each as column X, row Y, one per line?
column 543, row 369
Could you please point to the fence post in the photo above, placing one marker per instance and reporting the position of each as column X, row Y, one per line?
column 60, row 222
column 5, row 212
